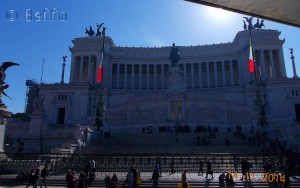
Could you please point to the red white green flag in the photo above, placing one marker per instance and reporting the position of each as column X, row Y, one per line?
column 100, row 68
column 251, row 65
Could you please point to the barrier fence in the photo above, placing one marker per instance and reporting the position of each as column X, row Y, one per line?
column 59, row 164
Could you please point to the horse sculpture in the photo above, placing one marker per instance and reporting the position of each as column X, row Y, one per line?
column 259, row 25
column 174, row 56
column 90, row 32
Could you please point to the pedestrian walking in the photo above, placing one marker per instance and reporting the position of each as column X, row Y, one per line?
column 68, row 178
column 201, row 164
column 31, row 178
column 184, row 180
column 209, row 170
column 82, row 178
column 172, row 166
column 36, row 178
column 44, row 174
column 130, row 179
column 155, row 177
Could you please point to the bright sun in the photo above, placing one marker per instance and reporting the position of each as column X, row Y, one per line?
column 218, row 13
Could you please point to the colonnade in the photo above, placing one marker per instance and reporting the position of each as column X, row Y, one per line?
column 270, row 62
column 195, row 75
column 210, row 74
column 84, row 69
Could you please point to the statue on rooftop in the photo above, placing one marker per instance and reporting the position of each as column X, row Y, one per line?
column 174, row 56
column 259, row 25
column 3, row 85
column 98, row 33
column 103, row 31
column 249, row 20
column 90, row 31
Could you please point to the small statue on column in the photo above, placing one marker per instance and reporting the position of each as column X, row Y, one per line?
column 293, row 62
column 63, row 70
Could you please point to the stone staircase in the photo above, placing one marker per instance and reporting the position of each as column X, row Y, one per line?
column 165, row 143
column 66, row 148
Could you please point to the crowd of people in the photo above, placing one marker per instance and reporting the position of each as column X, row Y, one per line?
column 85, row 178
column 37, row 178
column 34, row 177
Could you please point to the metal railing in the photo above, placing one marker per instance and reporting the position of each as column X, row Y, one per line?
column 59, row 164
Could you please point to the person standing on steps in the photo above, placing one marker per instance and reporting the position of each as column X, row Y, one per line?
column 184, row 180
column 201, row 164
column 44, row 173
column 155, row 177
column 209, row 170
column 172, row 166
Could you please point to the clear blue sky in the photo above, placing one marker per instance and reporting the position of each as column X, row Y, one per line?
column 128, row 22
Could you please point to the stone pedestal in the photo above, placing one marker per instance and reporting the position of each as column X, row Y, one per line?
column 175, row 95
column 36, row 123
column 4, row 115
column 175, row 80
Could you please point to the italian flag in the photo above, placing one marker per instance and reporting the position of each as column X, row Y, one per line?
column 100, row 68
column 251, row 65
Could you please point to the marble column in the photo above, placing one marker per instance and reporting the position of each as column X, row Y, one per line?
column 216, row 74
column 281, row 63
column 147, row 76
column 272, row 64
column 155, row 79
column 262, row 64
column 223, row 74
column 125, row 76
column 200, row 76
column 162, row 76
column 97, row 63
column 132, row 76
column 207, row 74
column 90, row 70
column 140, row 76
column 184, row 75
column 73, row 65
column 110, row 75
column 118, row 76
column 81, row 69
column 192, row 73
column 231, row 73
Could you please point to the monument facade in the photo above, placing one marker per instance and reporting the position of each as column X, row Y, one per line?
column 156, row 86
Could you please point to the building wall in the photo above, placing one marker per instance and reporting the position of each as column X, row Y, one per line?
column 217, row 87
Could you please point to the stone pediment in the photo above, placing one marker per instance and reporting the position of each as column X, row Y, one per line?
column 90, row 43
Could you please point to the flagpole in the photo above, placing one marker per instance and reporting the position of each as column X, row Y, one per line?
column 259, row 101
column 253, row 56
column 100, row 106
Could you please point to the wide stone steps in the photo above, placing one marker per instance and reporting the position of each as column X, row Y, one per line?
column 165, row 143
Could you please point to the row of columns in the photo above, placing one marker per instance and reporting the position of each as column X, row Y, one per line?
column 115, row 84
column 276, row 67
column 84, row 69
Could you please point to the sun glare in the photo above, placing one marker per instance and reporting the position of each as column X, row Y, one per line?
column 218, row 13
